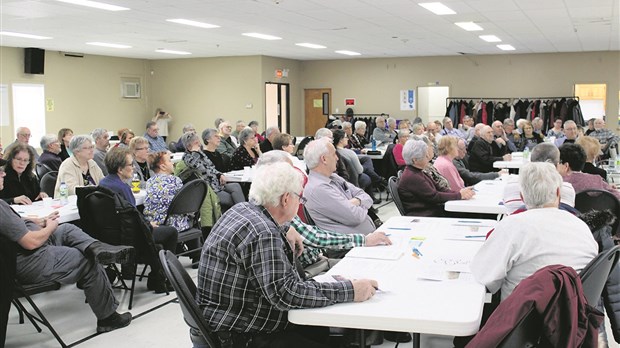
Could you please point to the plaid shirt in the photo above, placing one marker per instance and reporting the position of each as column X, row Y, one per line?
column 605, row 136
column 247, row 280
column 316, row 239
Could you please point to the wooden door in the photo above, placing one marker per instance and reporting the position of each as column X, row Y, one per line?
column 313, row 109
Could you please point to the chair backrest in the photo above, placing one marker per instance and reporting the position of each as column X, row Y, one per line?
column 302, row 145
column 186, row 291
column 307, row 217
column 172, row 146
column 48, row 183
column 393, row 187
column 353, row 175
column 391, row 167
column 188, row 201
column 595, row 274
column 589, row 200
column 42, row 169
column 526, row 333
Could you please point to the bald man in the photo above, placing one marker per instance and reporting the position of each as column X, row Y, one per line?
column 481, row 157
column 22, row 136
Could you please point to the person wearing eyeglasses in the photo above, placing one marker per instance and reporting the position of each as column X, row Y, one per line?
column 51, row 152
column 80, row 169
column 22, row 136
column 22, row 185
column 139, row 146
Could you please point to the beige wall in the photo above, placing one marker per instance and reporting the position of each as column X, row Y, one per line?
column 86, row 91
column 375, row 83
column 269, row 66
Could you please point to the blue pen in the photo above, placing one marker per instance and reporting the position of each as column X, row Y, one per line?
column 415, row 250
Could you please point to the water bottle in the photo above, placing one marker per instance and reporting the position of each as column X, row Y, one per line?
column 526, row 155
column 135, row 183
column 64, row 193
column 374, row 144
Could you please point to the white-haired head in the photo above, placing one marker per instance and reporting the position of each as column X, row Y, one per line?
column 323, row 133
column 271, row 181
column 414, row 150
column 315, row 150
column 539, row 182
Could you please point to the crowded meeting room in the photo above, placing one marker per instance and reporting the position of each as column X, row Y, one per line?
column 318, row 173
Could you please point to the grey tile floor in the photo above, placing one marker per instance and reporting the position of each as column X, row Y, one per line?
column 158, row 320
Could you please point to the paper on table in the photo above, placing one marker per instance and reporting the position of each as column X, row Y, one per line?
column 383, row 252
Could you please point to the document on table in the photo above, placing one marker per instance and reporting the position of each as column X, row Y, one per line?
column 382, row 252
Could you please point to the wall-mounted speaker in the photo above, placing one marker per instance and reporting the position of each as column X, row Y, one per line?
column 34, row 61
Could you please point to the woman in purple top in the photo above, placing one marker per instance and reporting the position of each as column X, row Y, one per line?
column 572, row 160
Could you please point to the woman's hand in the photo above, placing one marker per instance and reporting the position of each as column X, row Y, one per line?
column 22, row 200
column 41, row 196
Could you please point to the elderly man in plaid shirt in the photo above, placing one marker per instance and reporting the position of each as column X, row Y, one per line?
column 247, row 279
column 605, row 136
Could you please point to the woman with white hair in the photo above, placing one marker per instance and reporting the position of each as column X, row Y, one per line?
column 248, row 152
column 79, row 169
column 358, row 140
column 420, row 195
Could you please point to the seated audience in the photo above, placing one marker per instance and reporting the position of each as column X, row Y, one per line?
column 397, row 151
column 481, row 155
column 341, row 168
column 381, row 134
column 64, row 137
column 513, row 200
column 556, row 131
column 79, row 169
column 156, row 142
column 238, row 128
column 448, row 129
column 179, row 144
column 102, row 142
column 430, row 170
column 358, row 141
column 502, row 145
column 461, row 162
column 22, row 136
column 51, row 152
column 248, row 151
column 247, row 280
column 212, row 140
column 284, row 142
column 477, row 129
column 543, row 235
column 606, row 137
column 254, row 126
column 21, row 183
column 433, row 133
column 347, row 127
column 420, row 195
column 512, row 134
column 270, row 134
column 593, row 149
column 417, row 129
column 448, row 151
column 125, row 138
column 119, row 162
column 572, row 160
column 65, row 254
column 228, row 193
column 139, row 147
column 333, row 203
column 570, row 134
column 529, row 138
column 537, row 123
column 468, row 128
column 226, row 146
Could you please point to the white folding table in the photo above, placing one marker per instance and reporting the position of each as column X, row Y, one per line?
column 488, row 199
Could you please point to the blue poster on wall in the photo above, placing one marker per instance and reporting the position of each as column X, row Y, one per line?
column 407, row 99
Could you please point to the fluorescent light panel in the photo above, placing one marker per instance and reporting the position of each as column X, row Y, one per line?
column 506, row 47
column 437, row 8
column 25, row 36
column 105, row 44
column 469, row 26
column 96, row 4
column 349, row 53
column 172, row 52
column 310, row 45
column 193, row 23
column 490, row 38
column 262, row 36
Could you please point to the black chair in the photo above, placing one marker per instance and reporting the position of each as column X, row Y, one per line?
column 526, row 334
column 172, row 146
column 307, row 216
column 393, row 188
column 302, row 145
column 595, row 274
column 186, row 292
column 42, row 169
column 48, row 183
column 391, row 167
column 188, row 202
column 589, row 200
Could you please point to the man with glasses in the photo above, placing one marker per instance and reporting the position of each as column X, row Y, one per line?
column 156, row 142
column 102, row 142
column 23, row 136
column 51, row 149
column 570, row 134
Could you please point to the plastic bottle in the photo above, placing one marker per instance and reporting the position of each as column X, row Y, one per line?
column 135, row 183
column 526, row 155
column 374, row 144
column 64, row 193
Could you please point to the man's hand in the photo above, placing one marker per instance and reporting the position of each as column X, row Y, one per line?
column 364, row 289
column 51, row 223
column 467, row 193
column 507, row 157
column 295, row 240
column 503, row 172
column 355, row 201
column 377, row 238
column 22, row 200
column 500, row 141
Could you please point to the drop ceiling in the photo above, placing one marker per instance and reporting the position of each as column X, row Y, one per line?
column 374, row 28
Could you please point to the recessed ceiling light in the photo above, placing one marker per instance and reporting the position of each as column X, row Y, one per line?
column 105, row 44
column 310, row 45
column 437, row 8
column 349, row 53
column 96, row 4
column 25, row 36
column 262, row 36
column 161, row 50
column 506, row 47
column 469, row 26
column 193, row 23
column 490, row 38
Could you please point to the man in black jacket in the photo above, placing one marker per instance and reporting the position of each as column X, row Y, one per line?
column 481, row 158
column 461, row 162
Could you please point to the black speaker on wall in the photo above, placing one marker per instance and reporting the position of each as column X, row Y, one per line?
column 34, row 61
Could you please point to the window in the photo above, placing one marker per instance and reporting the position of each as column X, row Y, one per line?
column 29, row 109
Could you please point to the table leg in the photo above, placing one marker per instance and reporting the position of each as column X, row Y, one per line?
column 415, row 340
column 362, row 340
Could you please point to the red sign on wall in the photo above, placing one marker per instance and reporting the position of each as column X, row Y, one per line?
column 349, row 102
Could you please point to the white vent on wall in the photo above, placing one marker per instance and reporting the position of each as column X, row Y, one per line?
column 131, row 90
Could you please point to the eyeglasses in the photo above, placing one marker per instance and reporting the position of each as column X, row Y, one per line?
column 26, row 161
column 25, row 135
column 88, row 147
column 302, row 199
